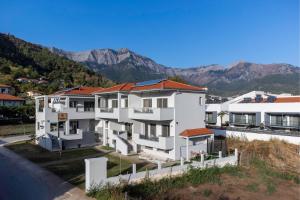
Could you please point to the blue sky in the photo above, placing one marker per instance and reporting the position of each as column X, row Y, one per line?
column 174, row 33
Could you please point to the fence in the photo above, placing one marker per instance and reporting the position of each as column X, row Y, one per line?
column 96, row 170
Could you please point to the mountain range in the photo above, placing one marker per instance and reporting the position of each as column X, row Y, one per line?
column 124, row 65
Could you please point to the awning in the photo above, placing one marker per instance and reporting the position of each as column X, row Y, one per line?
column 196, row 132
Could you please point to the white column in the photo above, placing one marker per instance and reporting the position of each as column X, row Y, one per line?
column 67, row 129
column 202, row 159
column 220, row 154
column 95, row 171
column 187, row 150
column 133, row 168
column 181, row 161
column 45, row 102
column 158, row 165
column 96, row 101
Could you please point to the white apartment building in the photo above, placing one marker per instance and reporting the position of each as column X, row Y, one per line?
column 258, row 109
column 66, row 119
column 159, row 119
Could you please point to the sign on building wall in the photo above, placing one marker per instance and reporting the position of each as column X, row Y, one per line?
column 62, row 117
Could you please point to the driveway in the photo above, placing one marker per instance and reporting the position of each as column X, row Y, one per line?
column 22, row 179
column 12, row 139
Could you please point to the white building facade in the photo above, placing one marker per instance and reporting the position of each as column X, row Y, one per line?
column 257, row 109
column 66, row 119
column 150, row 117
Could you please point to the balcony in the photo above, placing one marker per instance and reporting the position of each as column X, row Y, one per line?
column 156, row 114
column 165, row 143
column 76, row 136
column 121, row 114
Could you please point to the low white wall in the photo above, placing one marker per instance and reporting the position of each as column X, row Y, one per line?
column 258, row 136
column 93, row 176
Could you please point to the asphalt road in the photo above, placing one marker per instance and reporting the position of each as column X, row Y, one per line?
column 17, row 183
column 21, row 179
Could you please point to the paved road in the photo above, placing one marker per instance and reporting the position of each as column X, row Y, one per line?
column 12, row 139
column 21, row 179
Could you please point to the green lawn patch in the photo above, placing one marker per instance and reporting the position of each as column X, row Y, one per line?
column 17, row 129
column 70, row 165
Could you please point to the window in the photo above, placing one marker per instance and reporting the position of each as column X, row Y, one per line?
column 251, row 119
column 73, row 127
column 147, row 103
column 162, row 102
column 295, row 121
column 200, row 101
column 126, row 103
column 41, row 106
column 114, row 103
column 53, row 127
column 165, row 130
column 89, row 106
column 153, row 130
column 38, row 126
column 102, row 103
column 106, row 124
column 209, row 117
column 73, row 104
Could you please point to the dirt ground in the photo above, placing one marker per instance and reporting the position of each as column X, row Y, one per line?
column 235, row 188
column 254, row 184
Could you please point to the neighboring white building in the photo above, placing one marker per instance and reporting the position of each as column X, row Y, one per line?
column 66, row 119
column 32, row 94
column 10, row 100
column 160, row 119
column 256, row 109
column 5, row 89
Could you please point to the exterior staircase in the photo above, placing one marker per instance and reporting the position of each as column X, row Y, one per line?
column 122, row 144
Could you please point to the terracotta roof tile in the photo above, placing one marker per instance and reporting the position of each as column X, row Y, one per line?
column 287, row 100
column 83, row 90
column 10, row 97
column 3, row 85
column 161, row 85
column 117, row 88
column 196, row 132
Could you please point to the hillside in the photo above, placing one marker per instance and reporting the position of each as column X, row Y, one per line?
column 43, row 71
column 124, row 65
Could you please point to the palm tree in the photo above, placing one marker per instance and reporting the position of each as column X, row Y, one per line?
column 221, row 115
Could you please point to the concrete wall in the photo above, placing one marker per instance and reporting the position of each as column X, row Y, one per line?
column 99, row 179
column 189, row 114
column 258, row 136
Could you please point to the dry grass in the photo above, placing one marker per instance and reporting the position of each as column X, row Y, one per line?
column 278, row 154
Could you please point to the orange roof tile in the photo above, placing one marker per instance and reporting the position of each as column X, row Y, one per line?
column 117, row 88
column 83, row 90
column 10, row 97
column 3, row 85
column 161, row 85
column 196, row 132
column 168, row 84
column 287, row 100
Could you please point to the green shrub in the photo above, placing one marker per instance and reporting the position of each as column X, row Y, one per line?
column 207, row 192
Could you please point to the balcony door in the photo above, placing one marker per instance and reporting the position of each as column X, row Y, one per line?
column 73, row 127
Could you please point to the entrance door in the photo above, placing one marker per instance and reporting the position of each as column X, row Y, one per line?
column 92, row 125
column 73, row 127
column 128, row 128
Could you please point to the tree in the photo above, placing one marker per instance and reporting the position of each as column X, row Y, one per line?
column 221, row 115
column 5, row 70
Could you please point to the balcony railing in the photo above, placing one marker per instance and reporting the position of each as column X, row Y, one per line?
column 107, row 110
column 143, row 110
column 146, row 137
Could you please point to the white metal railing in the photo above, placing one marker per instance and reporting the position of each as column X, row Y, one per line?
column 107, row 110
column 143, row 110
